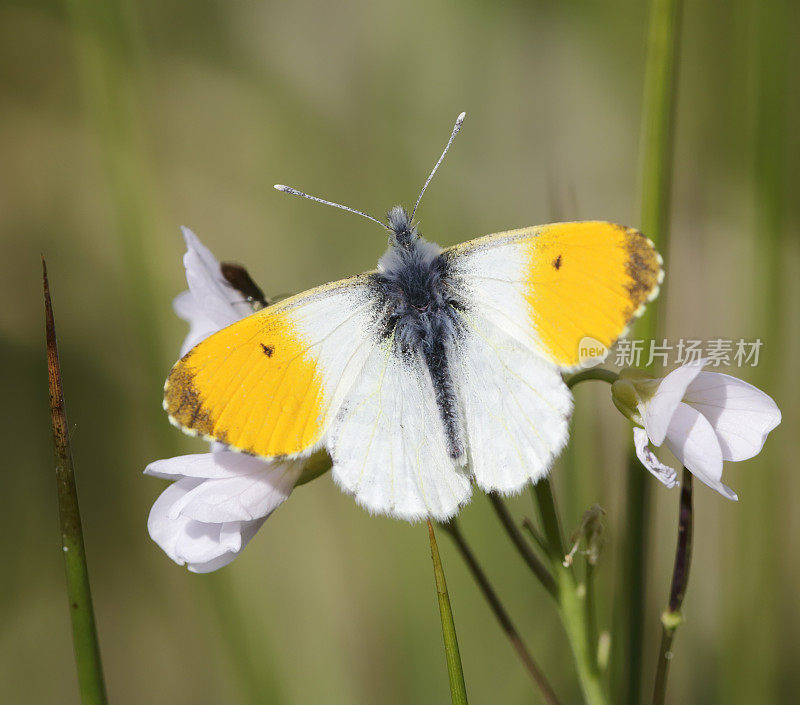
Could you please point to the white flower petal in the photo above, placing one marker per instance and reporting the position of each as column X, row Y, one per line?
column 663, row 473
column 164, row 529
column 241, row 497
column 202, row 257
column 200, row 542
column 219, row 465
column 167, row 469
column 204, row 547
column 212, row 565
column 215, row 297
column 230, row 533
column 742, row 415
column 200, row 325
column 186, row 307
column 692, row 440
column 244, row 531
column 211, row 302
column 657, row 411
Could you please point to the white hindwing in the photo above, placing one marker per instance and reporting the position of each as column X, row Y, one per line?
column 514, row 403
column 388, row 445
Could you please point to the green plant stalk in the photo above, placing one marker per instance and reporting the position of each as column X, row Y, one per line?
column 656, row 159
column 458, row 689
column 629, row 607
column 523, row 547
column 671, row 619
column 503, row 618
column 592, row 635
column 536, row 535
column 590, row 616
column 770, row 155
column 657, row 128
column 91, row 682
column 572, row 605
column 756, row 672
column 107, row 47
column 595, row 373
column 573, row 615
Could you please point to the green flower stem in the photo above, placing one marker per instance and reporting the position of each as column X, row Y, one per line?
column 658, row 126
column 671, row 619
column 592, row 636
column 91, row 682
column 536, row 535
column 573, row 615
column 458, row 689
column 539, row 569
column 571, row 600
column 656, row 156
column 590, row 618
column 109, row 51
column 597, row 373
column 500, row 612
column 629, row 604
column 543, row 496
column 772, row 99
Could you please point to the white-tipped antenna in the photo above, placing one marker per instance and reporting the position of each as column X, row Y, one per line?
column 456, row 128
column 295, row 192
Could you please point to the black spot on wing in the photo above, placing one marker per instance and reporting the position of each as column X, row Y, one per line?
column 268, row 349
column 557, row 262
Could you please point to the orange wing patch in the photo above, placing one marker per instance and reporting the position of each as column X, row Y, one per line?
column 253, row 386
column 587, row 280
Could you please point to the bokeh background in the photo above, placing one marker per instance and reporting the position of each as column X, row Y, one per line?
column 120, row 121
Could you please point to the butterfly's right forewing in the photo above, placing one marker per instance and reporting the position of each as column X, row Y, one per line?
column 528, row 298
column 270, row 384
column 552, row 286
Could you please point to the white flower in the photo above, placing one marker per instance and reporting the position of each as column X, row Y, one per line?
column 704, row 418
column 218, row 500
column 211, row 303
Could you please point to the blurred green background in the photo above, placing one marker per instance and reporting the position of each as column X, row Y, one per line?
column 120, row 121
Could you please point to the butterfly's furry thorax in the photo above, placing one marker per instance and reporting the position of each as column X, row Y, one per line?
column 414, row 280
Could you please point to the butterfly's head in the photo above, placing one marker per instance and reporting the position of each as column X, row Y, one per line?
column 402, row 231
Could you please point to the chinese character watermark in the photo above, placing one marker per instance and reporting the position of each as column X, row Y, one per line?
column 719, row 352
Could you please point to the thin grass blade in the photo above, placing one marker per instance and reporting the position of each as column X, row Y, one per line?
column 458, row 689
column 656, row 160
column 84, row 632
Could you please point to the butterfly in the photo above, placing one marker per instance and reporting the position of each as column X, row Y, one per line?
column 440, row 369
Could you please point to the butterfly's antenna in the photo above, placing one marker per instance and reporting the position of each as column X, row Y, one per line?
column 295, row 192
column 456, row 128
